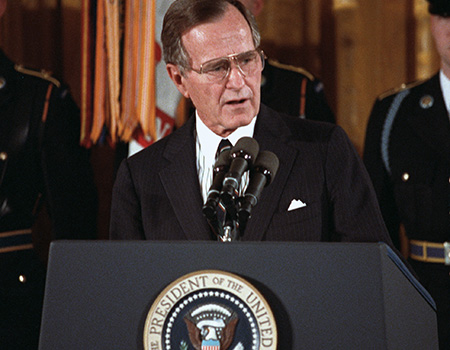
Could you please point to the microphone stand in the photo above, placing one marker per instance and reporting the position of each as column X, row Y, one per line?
column 226, row 230
column 230, row 232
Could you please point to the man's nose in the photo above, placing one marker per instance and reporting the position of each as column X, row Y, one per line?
column 236, row 75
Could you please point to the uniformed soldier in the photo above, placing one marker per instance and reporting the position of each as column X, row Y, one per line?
column 294, row 91
column 41, row 164
column 407, row 154
column 289, row 89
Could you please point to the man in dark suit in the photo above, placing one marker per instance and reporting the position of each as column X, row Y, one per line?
column 42, row 165
column 284, row 88
column 407, row 154
column 321, row 191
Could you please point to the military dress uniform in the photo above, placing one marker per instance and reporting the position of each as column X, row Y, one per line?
column 41, row 162
column 407, row 154
column 294, row 91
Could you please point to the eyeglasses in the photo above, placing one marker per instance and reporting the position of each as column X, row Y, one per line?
column 248, row 63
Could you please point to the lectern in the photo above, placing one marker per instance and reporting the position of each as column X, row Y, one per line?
column 322, row 295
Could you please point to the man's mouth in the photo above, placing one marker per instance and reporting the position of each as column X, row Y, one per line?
column 236, row 102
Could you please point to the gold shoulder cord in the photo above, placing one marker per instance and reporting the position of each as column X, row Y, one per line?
column 43, row 74
column 400, row 88
column 300, row 70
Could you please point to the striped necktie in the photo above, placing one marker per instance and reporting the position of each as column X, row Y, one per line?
column 224, row 145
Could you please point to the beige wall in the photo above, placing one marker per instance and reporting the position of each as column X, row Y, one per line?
column 359, row 48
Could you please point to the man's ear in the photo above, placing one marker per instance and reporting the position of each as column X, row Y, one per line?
column 177, row 78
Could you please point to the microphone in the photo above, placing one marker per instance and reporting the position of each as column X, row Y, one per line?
column 242, row 155
column 263, row 173
column 221, row 167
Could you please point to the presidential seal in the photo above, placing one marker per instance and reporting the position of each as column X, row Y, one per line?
column 210, row 310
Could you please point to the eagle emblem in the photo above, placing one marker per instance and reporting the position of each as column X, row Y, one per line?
column 211, row 326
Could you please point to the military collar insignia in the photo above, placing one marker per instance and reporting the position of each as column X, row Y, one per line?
column 426, row 101
column 2, row 82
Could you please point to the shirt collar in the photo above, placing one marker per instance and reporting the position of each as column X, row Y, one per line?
column 445, row 87
column 209, row 141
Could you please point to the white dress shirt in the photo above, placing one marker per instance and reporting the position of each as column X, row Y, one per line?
column 445, row 87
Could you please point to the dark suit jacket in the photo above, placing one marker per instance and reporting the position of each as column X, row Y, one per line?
column 157, row 194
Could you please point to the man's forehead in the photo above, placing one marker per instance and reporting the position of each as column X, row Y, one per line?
column 217, row 35
column 228, row 35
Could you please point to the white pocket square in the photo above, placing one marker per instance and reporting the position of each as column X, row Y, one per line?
column 295, row 204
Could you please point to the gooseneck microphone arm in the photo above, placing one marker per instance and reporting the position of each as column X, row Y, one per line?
column 221, row 167
column 262, row 174
column 209, row 209
column 243, row 154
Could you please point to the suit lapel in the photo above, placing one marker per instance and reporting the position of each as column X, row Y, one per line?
column 431, row 124
column 180, row 179
column 270, row 133
column 180, row 182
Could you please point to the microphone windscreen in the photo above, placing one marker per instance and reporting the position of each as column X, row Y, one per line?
column 223, row 159
column 246, row 145
column 269, row 162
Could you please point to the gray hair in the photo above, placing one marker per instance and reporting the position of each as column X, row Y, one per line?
column 183, row 15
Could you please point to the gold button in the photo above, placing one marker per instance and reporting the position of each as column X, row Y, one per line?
column 22, row 278
column 405, row 177
column 3, row 156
